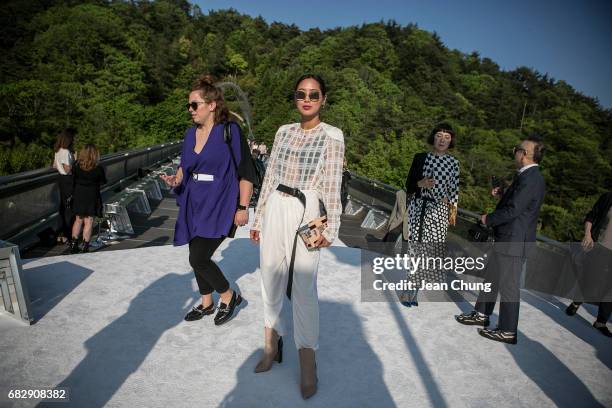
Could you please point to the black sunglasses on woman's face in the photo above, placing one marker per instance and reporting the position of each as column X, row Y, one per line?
column 313, row 96
column 193, row 105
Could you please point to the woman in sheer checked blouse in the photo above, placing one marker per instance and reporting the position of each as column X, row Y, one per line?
column 307, row 156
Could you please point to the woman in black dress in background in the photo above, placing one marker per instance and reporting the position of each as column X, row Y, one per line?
column 86, row 199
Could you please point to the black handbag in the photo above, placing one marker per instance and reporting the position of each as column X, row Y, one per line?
column 480, row 233
column 227, row 136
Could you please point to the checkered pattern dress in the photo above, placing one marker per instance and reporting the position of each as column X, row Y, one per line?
column 428, row 215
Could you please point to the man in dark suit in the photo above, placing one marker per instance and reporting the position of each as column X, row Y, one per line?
column 514, row 223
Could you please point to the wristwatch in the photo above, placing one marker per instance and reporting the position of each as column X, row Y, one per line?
column 241, row 207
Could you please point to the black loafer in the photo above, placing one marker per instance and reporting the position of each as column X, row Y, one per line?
column 199, row 312
column 473, row 319
column 226, row 312
column 498, row 335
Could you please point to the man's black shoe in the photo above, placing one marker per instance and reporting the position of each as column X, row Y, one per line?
column 226, row 311
column 498, row 335
column 473, row 319
column 199, row 312
column 602, row 328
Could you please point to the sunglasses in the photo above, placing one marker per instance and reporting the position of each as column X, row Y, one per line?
column 313, row 96
column 518, row 149
column 193, row 105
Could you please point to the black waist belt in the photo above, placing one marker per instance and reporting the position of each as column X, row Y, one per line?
column 295, row 192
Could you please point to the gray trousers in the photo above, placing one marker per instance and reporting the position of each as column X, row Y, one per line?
column 504, row 274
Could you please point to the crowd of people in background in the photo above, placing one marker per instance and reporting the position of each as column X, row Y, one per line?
column 79, row 184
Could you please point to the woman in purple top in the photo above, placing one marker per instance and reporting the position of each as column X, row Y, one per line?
column 213, row 187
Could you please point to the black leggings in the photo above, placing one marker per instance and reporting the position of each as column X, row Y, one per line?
column 65, row 190
column 208, row 275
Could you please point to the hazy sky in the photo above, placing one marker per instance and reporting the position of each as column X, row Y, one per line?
column 568, row 39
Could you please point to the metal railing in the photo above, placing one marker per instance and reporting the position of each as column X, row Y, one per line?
column 382, row 196
column 29, row 201
column 551, row 269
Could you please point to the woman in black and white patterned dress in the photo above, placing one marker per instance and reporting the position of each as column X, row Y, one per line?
column 434, row 180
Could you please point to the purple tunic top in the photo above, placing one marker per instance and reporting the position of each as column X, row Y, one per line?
column 207, row 206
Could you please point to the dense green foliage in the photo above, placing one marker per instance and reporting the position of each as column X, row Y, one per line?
column 119, row 72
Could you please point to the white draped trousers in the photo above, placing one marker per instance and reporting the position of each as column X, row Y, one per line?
column 282, row 218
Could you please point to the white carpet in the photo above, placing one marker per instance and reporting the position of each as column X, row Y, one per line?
column 110, row 328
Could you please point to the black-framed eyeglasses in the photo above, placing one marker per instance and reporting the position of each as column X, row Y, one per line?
column 518, row 149
column 193, row 105
column 313, row 96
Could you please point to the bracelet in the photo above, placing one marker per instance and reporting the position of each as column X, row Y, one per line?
column 241, row 207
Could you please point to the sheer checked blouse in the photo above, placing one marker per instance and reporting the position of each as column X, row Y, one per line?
column 309, row 160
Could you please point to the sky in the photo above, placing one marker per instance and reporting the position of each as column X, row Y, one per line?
column 568, row 39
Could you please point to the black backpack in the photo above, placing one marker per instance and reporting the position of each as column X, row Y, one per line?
column 244, row 152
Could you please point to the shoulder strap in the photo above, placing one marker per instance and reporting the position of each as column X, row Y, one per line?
column 227, row 136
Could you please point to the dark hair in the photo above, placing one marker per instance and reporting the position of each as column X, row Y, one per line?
column 316, row 78
column 538, row 148
column 442, row 127
column 209, row 92
column 65, row 138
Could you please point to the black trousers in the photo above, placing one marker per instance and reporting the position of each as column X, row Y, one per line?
column 208, row 275
column 504, row 274
column 66, row 216
column 595, row 281
column 604, row 311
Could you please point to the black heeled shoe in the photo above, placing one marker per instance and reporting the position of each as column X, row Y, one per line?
column 199, row 312
column 74, row 246
column 279, row 354
column 85, row 247
column 226, row 312
column 572, row 308
column 602, row 328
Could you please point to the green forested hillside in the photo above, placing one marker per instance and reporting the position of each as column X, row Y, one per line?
column 119, row 72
